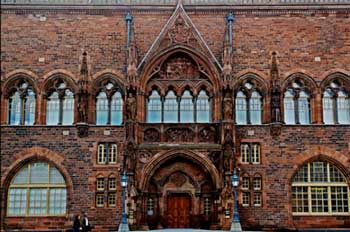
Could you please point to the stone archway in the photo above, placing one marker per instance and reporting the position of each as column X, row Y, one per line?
column 179, row 189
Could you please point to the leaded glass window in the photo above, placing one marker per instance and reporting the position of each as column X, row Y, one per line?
column 60, row 105
column 154, row 108
column 320, row 188
column 37, row 189
column 289, row 107
column 21, row 105
column 102, row 109
column 255, row 108
column 186, row 107
column 171, row 107
column 116, row 109
column 241, row 108
column 203, row 107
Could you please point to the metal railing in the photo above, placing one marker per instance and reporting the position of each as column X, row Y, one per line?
column 173, row 2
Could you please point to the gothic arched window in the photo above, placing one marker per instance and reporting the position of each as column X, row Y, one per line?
column 241, row 108
column 248, row 105
column 186, row 107
column 38, row 189
column 336, row 105
column 320, row 187
column 21, row 105
column 154, row 108
column 60, row 106
column 255, row 108
column 109, row 105
column 171, row 107
column 296, row 105
column 203, row 112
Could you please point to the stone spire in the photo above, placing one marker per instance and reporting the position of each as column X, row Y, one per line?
column 227, row 52
column 275, row 90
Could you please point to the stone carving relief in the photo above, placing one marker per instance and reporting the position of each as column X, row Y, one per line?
column 181, row 32
column 144, row 156
column 151, row 135
column 179, row 68
column 178, row 179
column 207, row 134
column 179, row 135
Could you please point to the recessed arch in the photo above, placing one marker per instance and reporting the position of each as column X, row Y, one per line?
column 258, row 81
column 338, row 76
column 306, row 80
column 156, row 161
column 108, row 75
column 59, row 75
column 156, row 61
column 16, row 76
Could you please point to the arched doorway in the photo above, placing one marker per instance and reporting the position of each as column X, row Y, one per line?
column 179, row 191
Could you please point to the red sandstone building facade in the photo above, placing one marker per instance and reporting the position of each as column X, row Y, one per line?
column 177, row 96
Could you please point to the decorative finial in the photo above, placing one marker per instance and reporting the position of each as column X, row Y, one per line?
column 230, row 17
column 128, row 17
column 84, row 67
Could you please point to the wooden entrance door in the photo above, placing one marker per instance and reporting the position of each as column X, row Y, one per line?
column 178, row 211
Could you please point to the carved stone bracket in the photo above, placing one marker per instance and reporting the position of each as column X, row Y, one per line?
column 275, row 129
column 83, row 129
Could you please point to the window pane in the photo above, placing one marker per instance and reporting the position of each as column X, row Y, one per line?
column 37, row 201
column 101, row 154
column 318, row 171
column 319, row 199
column 17, row 202
column 154, row 108
column 186, row 107
column 255, row 108
column 340, row 199
column 58, row 200
column 52, row 109
column 101, row 109
column 245, row 153
column 203, row 107
column 343, row 104
column 116, row 109
column 39, row 173
column 241, row 108
column 21, row 176
column 257, row 183
column 68, row 108
column 255, row 154
column 55, row 176
column 304, row 108
column 29, row 108
column 300, row 201
column 112, row 153
column 289, row 109
column 302, row 174
column 170, row 108
column 327, row 102
column 15, row 109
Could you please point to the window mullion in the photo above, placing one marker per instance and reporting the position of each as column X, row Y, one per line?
column 296, row 109
column 194, row 100
column 335, row 109
column 60, row 110
column 107, row 153
column 109, row 116
column 248, row 109
column 162, row 99
column 23, row 110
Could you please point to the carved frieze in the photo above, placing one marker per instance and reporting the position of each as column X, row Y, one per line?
column 207, row 134
column 179, row 135
column 151, row 135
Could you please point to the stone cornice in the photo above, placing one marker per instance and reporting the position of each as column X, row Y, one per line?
column 255, row 10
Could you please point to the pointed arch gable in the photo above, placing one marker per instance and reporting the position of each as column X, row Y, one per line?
column 155, row 62
column 261, row 84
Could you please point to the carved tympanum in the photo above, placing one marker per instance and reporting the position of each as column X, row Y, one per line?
column 178, row 179
column 179, row 68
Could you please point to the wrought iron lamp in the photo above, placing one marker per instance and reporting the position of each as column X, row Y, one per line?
column 236, row 224
column 124, row 226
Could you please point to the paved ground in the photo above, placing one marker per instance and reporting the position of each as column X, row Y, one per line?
column 184, row 230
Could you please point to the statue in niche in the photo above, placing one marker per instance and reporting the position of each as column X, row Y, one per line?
column 275, row 105
column 228, row 106
column 131, row 158
column 131, row 107
column 82, row 109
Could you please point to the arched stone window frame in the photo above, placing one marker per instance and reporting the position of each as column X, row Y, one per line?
column 299, row 83
column 63, row 85
column 247, row 84
column 304, row 186
column 334, row 84
column 15, row 84
column 113, row 95
column 45, row 188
